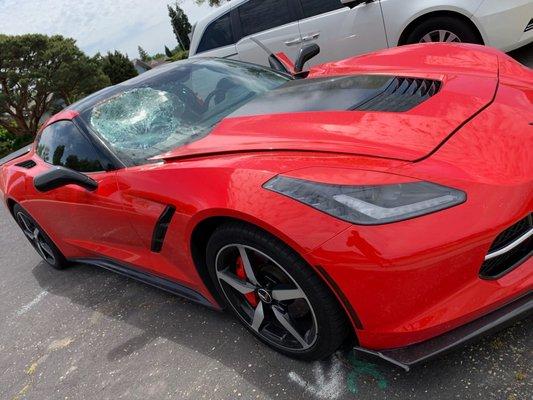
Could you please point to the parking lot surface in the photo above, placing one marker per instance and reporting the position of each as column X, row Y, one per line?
column 86, row 333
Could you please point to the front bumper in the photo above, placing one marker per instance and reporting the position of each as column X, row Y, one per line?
column 408, row 356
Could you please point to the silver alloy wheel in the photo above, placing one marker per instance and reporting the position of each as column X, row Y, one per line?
column 273, row 318
column 440, row 35
column 36, row 238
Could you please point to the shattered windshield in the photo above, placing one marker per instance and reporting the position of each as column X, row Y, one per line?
column 174, row 105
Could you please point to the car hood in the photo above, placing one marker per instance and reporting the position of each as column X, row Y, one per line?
column 358, row 107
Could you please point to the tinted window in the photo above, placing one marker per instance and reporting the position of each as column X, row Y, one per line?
column 217, row 34
column 260, row 15
column 316, row 7
column 64, row 145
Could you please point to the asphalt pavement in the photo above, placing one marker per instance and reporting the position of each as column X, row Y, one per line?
column 86, row 333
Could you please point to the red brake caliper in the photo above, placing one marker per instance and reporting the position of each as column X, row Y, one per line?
column 241, row 273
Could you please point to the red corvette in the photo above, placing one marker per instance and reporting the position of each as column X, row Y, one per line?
column 386, row 197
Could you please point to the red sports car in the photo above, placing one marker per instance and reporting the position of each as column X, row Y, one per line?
column 386, row 197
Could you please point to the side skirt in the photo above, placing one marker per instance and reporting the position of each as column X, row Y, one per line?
column 148, row 278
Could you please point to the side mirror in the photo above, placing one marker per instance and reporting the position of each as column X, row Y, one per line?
column 61, row 176
column 306, row 53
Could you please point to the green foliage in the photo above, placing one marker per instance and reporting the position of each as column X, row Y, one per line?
column 180, row 25
column 118, row 67
column 212, row 3
column 168, row 52
column 10, row 142
column 38, row 74
column 143, row 54
column 179, row 55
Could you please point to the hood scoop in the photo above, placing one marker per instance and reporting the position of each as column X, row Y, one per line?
column 343, row 93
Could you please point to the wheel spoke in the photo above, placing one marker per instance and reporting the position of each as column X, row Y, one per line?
column 287, row 294
column 426, row 38
column 259, row 316
column 284, row 320
column 442, row 35
column 46, row 249
column 247, row 265
column 26, row 229
column 40, row 249
column 452, row 37
column 237, row 284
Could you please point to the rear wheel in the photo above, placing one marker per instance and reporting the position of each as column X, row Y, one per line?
column 39, row 239
column 275, row 293
column 443, row 29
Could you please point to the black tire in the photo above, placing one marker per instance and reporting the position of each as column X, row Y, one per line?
column 40, row 241
column 462, row 30
column 331, row 328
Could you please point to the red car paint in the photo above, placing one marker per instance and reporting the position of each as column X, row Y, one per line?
column 400, row 283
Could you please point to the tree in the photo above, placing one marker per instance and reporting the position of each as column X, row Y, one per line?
column 180, row 25
column 212, row 3
column 38, row 72
column 118, row 67
column 143, row 54
column 168, row 52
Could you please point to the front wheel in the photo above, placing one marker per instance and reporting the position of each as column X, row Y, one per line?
column 274, row 293
column 39, row 239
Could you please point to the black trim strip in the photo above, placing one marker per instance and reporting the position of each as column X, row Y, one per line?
column 342, row 297
column 16, row 154
column 408, row 356
column 161, row 227
column 148, row 278
column 529, row 26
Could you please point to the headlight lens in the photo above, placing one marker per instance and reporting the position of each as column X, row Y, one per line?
column 369, row 205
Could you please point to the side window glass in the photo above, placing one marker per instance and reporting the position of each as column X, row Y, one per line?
column 218, row 34
column 64, row 145
column 261, row 15
column 316, row 7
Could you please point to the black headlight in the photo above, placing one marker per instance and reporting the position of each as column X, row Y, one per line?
column 369, row 205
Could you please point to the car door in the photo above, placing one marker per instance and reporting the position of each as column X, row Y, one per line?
column 83, row 223
column 273, row 22
column 218, row 39
column 342, row 30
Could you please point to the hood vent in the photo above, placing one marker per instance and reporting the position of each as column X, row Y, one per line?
column 28, row 164
column 401, row 95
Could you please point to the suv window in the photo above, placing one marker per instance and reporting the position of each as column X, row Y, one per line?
column 64, row 145
column 218, row 34
column 260, row 15
column 316, row 7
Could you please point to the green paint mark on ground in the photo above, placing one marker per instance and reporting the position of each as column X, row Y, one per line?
column 359, row 370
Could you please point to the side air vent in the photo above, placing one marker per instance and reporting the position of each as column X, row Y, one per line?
column 28, row 164
column 401, row 95
column 160, row 230
column 511, row 248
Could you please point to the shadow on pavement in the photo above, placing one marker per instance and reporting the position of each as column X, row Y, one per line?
column 488, row 366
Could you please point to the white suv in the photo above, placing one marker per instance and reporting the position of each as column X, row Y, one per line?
column 345, row 28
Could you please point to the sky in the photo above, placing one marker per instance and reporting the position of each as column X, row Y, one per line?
column 98, row 25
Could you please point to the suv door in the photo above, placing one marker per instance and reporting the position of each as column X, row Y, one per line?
column 274, row 23
column 82, row 223
column 342, row 30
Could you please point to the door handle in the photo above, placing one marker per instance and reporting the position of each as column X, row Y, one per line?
column 311, row 36
column 293, row 42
